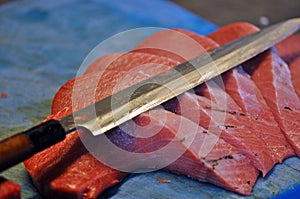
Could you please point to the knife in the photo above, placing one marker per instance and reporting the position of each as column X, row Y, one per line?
column 114, row 110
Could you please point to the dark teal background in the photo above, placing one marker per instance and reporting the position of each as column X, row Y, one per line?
column 42, row 44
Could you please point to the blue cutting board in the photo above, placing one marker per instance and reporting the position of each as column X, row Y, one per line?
column 42, row 44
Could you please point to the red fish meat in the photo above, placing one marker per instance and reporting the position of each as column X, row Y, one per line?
column 68, row 170
column 9, row 189
column 243, row 90
column 272, row 77
column 59, row 185
column 250, row 145
column 289, row 51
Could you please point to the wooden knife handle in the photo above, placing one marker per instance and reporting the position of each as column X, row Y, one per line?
column 20, row 147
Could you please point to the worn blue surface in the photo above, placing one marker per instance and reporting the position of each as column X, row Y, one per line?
column 42, row 44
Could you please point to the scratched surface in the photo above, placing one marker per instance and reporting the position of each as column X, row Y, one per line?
column 42, row 44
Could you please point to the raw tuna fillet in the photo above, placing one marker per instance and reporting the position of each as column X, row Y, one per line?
column 259, row 154
column 102, row 63
column 272, row 76
column 224, row 181
column 68, row 170
column 123, row 72
column 184, row 44
column 206, row 158
column 289, row 51
column 9, row 189
column 279, row 93
column 231, row 111
column 211, row 166
column 99, row 65
column 243, row 90
column 45, row 168
column 229, row 127
column 209, row 158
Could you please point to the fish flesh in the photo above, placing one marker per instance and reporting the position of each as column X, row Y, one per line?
column 9, row 189
column 205, row 149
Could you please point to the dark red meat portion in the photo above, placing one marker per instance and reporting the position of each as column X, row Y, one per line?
column 71, row 159
column 279, row 94
column 289, row 51
column 230, row 127
column 68, row 170
column 123, row 72
column 9, row 189
column 228, row 140
column 243, row 136
column 64, row 170
column 272, row 77
column 207, row 158
column 176, row 44
column 243, row 90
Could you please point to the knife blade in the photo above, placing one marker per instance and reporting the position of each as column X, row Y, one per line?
column 116, row 109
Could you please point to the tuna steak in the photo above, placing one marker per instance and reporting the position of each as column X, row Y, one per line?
column 62, row 162
column 52, row 169
column 184, row 44
column 9, row 189
column 45, row 168
column 229, row 127
column 207, row 158
column 289, row 51
column 258, row 153
column 272, row 77
column 123, row 72
column 231, row 154
column 243, row 90
column 64, row 171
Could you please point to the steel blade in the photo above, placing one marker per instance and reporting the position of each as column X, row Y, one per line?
column 117, row 109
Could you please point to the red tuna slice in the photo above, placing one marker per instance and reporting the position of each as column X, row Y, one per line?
column 213, row 91
column 123, row 72
column 59, row 187
column 177, row 44
column 230, row 127
column 275, row 142
column 162, row 41
column 145, row 72
column 102, row 63
column 206, row 158
column 254, row 105
column 53, row 170
column 68, row 170
column 9, row 189
column 289, row 51
column 243, row 90
column 289, row 48
column 212, row 166
column 272, row 77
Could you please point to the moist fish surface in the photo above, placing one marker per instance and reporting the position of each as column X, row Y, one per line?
column 249, row 143
column 289, row 51
column 243, row 90
column 53, row 171
column 228, row 126
column 55, row 181
column 9, row 189
column 273, row 78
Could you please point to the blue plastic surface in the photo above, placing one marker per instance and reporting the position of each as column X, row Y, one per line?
column 42, row 44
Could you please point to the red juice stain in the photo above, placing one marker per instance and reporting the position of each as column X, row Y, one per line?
column 3, row 95
column 161, row 180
